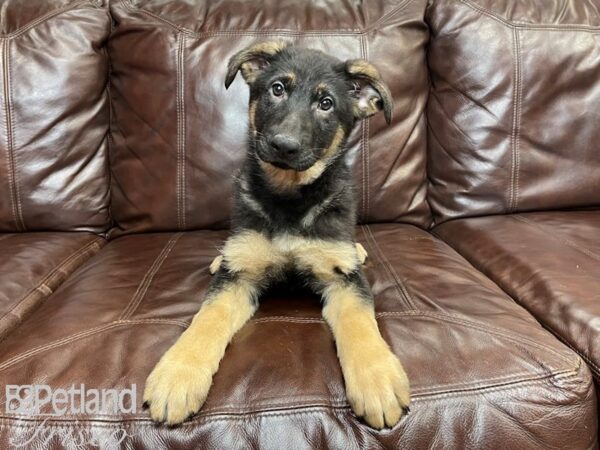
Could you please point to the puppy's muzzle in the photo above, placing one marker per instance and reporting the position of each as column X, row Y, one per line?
column 285, row 152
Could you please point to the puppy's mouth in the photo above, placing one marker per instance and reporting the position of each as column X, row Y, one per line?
column 297, row 166
column 300, row 164
column 280, row 165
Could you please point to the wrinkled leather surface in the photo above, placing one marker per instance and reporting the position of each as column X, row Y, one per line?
column 548, row 262
column 484, row 373
column 53, row 116
column 33, row 265
column 513, row 113
column 179, row 136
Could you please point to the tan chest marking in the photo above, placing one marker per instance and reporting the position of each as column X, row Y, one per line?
column 252, row 254
column 325, row 259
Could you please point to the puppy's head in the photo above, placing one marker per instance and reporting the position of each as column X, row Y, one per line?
column 303, row 102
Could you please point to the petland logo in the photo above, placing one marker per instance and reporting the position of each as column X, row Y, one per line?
column 32, row 399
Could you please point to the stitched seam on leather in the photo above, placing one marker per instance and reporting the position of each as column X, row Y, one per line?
column 594, row 368
column 278, row 412
column 178, row 138
column 416, row 393
column 564, row 375
column 493, row 330
column 60, row 267
column 566, row 241
column 351, row 31
column 84, row 334
column 180, row 119
column 109, row 140
column 400, row 287
column 516, row 133
column 10, row 155
column 511, row 199
column 288, row 319
column 363, row 172
column 183, row 134
column 12, row 138
column 142, row 288
column 496, row 381
column 529, row 26
column 7, row 132
column 363, row 213
column 519, row 117
column 444, row 317
column 364, row 50
column 41, row 20
column 367, row 150
column 375, row 254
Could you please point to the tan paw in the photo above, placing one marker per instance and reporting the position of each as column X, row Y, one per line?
column 176, row 388
column 362, row 253
column 215, row 264
column 378, row 389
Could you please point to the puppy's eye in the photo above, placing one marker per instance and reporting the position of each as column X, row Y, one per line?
column 325, row 104
column 278, row 89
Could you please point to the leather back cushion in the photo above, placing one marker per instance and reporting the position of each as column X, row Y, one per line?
column 53, row 116
column 179, row 136
column 514, row 110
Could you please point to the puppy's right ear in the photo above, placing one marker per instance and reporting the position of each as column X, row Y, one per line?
column 252, row 60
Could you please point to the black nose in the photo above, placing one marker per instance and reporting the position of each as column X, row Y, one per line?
column 285, row 145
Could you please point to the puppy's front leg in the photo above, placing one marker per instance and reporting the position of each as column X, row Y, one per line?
column 179, row 384
column 376, row 385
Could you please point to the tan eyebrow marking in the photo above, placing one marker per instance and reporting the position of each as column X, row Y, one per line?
column 291, row 78
column 322, row 87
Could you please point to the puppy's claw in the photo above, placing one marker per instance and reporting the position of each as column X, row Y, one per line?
column 362, row 253
column 176, row 388
column 378, row 390
column 215, row 264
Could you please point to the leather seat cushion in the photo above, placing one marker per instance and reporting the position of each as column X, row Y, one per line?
column 477, row 360
column 549, row 262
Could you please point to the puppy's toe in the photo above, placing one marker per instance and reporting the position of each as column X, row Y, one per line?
column 378, row 389
column 362, row 253
column 215, row 264
column 176, row 389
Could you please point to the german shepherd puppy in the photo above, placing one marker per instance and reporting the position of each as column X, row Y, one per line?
column 294, row 211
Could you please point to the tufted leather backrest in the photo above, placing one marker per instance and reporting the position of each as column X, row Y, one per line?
column 53, row 116
column 179, row 136
column 514, row 112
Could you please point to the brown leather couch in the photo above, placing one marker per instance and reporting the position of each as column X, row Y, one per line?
column 478, row 207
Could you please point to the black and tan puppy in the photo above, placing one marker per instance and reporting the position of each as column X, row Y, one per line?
column 294, row 210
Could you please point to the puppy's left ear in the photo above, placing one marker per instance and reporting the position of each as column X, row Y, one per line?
column 371, row 94
column 252, row 60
